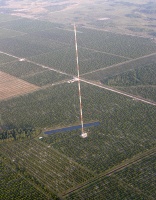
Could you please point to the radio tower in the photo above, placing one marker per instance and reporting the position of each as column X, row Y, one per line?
column 83, row 134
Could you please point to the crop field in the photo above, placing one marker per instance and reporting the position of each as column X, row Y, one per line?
column 134, row 182
column 38, row 90
column 138, row 80
column 123, row 45
column 28, row 25
column 126, row 125
column 46, row 77
column 20, row 69
column 5, row 58
column 14, row 186
column 32, row 73
column 5, row 33
column 11, row 86
column 47, row 165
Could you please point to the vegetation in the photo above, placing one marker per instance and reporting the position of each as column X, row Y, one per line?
column 15, row 186
column 45, row 166
column 89, row 60
column 5, row 58
column 141, row 176
column 121, row 68
column 46, row 77
column 126, row 125
column 134, row 182
column 53, row 170
column 128, row 46
column 145, row 75
column 140, row 81
column 21, row 48
column 147, row 92
column 21, row 68
column 11, row 133
column 28, row 25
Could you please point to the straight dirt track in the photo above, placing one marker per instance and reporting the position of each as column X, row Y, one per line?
column 11, row 86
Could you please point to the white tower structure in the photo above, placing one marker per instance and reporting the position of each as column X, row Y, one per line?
column 83, row 134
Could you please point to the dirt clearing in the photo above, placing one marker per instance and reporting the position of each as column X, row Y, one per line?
column 11, row 86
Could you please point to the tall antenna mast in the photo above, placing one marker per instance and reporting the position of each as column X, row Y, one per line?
column 83, row 134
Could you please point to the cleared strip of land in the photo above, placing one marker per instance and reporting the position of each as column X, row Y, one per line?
column 11, row 86
column 119, row 92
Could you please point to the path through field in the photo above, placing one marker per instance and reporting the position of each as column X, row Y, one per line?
column 119, row 92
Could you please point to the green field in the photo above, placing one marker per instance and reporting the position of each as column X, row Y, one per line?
column 134, row 182
column 5, row 58
column 46, row 165
column 20, row 69
column 126, row 125
column 64, row 165
column 15, row 186
column 46, row 77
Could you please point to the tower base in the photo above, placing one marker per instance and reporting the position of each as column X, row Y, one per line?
column 84, row 135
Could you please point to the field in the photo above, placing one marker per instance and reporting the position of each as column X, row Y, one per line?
column 134, row 182
column 128, row 17
column 17, row 186
column 11, row 86
column 39, row 90
column 46, row 165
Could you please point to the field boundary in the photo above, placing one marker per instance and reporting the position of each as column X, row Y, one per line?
column 135, row 159
column 119, row 92
column 115, row 65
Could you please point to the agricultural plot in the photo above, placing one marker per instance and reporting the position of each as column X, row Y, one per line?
column 20, row 69
column 63, row 161
column 28, row 25
column 141, row 176
column 57, row 34
column 116, row 69
column 127, row 126
column 123, row 45
column 5, row 33
column 134, row 182
column 52, row 45
column 64, row 60
column 55, row 171
column 45, row 77
column 5, row 58
column 11, row 86
column 14, row 186
column 21, row 48
column 140, row 81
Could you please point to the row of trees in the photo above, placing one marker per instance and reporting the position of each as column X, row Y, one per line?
column 16, row 133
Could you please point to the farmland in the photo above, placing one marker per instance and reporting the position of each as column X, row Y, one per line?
column 11, row 86
column 39, row 91
column 17, row 187
column 134, row 182
column 124, row 123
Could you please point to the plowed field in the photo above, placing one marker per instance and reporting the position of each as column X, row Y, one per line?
column 11, row 86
